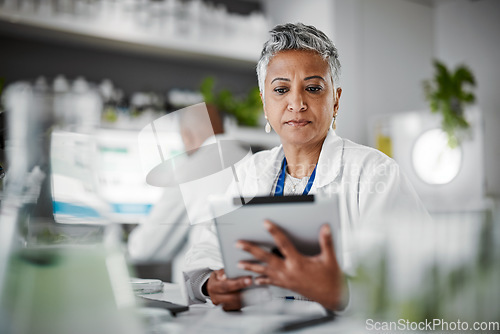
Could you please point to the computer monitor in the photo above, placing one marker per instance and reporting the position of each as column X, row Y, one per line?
column 100, row 177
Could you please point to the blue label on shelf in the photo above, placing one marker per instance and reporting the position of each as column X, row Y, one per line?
column 131, row 208
column 74, row 210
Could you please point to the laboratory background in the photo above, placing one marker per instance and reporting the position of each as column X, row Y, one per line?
column 88, row 94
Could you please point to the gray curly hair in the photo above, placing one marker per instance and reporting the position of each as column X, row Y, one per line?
column 298, row 37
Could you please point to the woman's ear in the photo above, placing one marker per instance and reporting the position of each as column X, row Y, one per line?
column 338, row 92
column 262, row 99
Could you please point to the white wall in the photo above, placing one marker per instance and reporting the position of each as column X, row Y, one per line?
column 467, row 32
column 349, row 25
column 318, row 13
column 397, row 53
column 386, row 47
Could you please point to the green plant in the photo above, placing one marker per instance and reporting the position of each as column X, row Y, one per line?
column 447, row 93
column 245, row 109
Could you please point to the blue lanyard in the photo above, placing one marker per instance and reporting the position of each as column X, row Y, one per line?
column 280, row 186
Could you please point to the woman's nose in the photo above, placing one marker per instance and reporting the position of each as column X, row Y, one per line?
column 296, row 102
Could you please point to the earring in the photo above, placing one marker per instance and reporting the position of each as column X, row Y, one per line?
column 267, row 128
column 334, row 124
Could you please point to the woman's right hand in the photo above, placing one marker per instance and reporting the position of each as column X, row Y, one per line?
column 225, row 291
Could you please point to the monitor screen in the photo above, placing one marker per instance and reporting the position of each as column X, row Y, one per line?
column 101, row 178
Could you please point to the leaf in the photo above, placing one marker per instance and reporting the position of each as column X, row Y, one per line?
column 448, row 93
column 463, row 75
column 468, row 97
column 206, row 89
column 246, row 109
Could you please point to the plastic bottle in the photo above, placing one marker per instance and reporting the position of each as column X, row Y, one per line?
column 87, row 105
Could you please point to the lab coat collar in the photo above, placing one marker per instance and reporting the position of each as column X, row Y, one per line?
column 268, row 172
column 330, row 160
column 329, row 163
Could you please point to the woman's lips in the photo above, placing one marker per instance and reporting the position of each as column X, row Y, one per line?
column 298, row 122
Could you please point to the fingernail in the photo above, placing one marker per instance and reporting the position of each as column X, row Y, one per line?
column 247, row 281
column 257, row 282
column 267, row 224
column 238, row 245
column 223, row 277
column 327, row 229
column 241, row 266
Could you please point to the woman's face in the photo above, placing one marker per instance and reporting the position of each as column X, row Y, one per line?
column 299, row 97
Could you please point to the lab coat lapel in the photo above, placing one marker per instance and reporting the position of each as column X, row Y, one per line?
column 330, row 161
column 266, row 169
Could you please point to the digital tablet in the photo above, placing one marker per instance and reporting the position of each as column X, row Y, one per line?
column 301, row 217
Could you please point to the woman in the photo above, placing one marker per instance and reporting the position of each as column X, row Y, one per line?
column 298, row 80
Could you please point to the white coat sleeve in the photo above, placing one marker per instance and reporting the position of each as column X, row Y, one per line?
column 201, row 259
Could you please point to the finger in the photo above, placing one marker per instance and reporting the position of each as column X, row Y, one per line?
column 255, row 267
column 257, row 252
column 230, row 285
column 220, row 274
column 326, row 243
column 282, row 242
column 229, row 301
column 263, row 280
column 232, row 305
column 213, row 281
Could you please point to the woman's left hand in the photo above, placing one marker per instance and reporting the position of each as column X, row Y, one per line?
column 318, row 278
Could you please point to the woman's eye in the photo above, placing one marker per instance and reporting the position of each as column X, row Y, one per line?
column 280, row 90
column 314, row 89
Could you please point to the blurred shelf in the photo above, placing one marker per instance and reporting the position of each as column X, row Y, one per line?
column 68, row 29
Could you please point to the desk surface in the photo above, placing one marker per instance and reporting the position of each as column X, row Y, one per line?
column 258, row 318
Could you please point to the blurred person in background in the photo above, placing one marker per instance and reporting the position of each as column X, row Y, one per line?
column 298, row 74
column 163, row 236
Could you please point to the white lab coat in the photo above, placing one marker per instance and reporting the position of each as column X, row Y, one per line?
column 370, row 187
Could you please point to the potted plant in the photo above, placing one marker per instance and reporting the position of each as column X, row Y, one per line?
column 448, row 93
column 245, row 109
